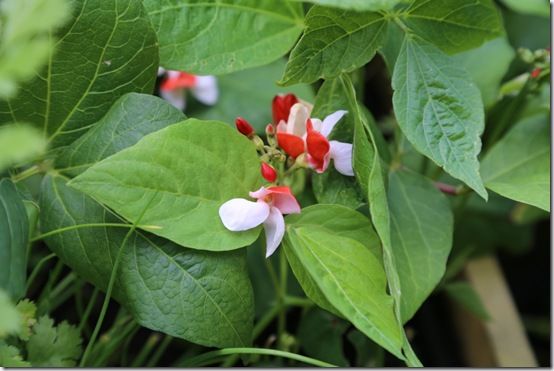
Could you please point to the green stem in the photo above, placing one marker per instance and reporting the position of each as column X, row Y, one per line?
column 209, row 356
column 146, row 350
column 88, row 309
column 27, row 173
column 36, row 270
column 159, row 351
column 411, row 358
column 282, row 319
column 48, row 289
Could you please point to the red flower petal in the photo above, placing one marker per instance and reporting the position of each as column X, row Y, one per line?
column 318, row 148
column 281, row 107
column 244, row 126
column 291, row 144
column 183, row 80
column 268, row 172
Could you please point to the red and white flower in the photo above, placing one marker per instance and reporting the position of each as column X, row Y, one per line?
column 240, row 214
column 174, row 86
column 301, row 134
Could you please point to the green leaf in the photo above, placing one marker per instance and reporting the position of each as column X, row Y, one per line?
column 439, row 110
column 350, row 278
column 487, row 65
column 335, row 41
column 27, row 311
column 107, row 50
column 25, row 42
column 532, row 7
column 186, row 172
column 130, row 118
column 217, row 37
column 167, row 288
column 19, row 143
column 10, row 318
column 53, row 346
column 465, row 295
column 332, row 187
column 316, row 325
column 249, row 94
column 14, row 238
column 10, row 356
column 453, row 25
column 422, row 227
column 518, row 166
column 360, row 5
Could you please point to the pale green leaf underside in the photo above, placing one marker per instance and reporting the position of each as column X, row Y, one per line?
column 439, row 110
column 168, row 288
column 218, row 37
column 421, row 231
column 14, row 237
column 129, row 119
column 335, row 41
column 351, row 279
column 185, row 172
column 360, row 5
column 109, row 49
column 518, row 166
column 453, row 25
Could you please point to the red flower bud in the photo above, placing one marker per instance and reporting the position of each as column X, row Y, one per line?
column 281, row 107
column 270, row 130
column 268, row 172
column 535, row 73
column 244, row 127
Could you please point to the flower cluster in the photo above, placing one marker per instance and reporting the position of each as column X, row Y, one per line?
column 175, row 84
column 295, row 141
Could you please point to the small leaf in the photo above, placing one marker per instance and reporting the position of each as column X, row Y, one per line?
column 168, row 288
column 51, row 346
column 195, row 35
column 108, row 49
column 19, row 143
column 186, row 172
column 439, row 110
column 249, row 94
column 11, row 357
column 14, row 238
column 518, row 166
column 453, row 25
column 422, row 227
column 359, row 5
column 335, row 41
column 130, row 118
column 10, row 318
column 465, row 295
column 27, row 311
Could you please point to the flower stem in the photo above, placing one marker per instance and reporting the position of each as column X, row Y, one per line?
column 36, row 270
column 282, row 319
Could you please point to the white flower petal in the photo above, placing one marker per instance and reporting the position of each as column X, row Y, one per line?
column 296, row 123
column 175, row 97
column 316, row 124
column 341, row 153
column 206, row 90
column 330, row 121
column 239, row 214
column 274, row 227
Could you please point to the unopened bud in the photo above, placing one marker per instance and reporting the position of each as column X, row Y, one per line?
column 270, row 130
column 258, row 142
column 268, row 172
column 244, row 127
column 535, row 73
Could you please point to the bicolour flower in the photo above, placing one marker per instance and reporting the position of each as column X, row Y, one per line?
column 302, row 134
column 240, row 214
column 174, row 86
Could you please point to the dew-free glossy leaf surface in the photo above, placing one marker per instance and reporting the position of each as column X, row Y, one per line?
column 249, row 94
column 439, row 110
column 351, row 278
column 211, row 37
column 421, row 230
column 14, row 237
column 335, row 41
column 200, row 296
column 130, row 118
column 453, row 25
column 518, row 166
column 185, row 172
column 107, row 50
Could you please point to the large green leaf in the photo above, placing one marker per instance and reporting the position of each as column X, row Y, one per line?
column 109, row 49
column 439, row 110
column 453, row 25
column 360, row 5
column 518, row 166
column 223, row 36
column 185, row 172
column 14, row 238
column 421, row 226
column 335, row 41
column 168, row 288
column 350, row 278
column 19, row 143
column 130, row 118
column 249, row 94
